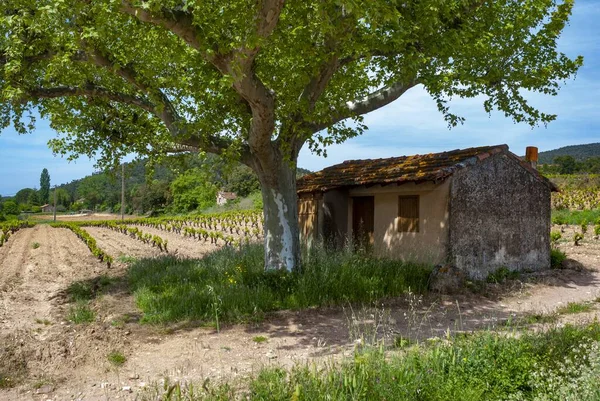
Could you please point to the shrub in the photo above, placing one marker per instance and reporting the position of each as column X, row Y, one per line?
column 231, row 285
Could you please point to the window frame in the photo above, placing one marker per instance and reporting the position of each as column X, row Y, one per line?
column 417, row 222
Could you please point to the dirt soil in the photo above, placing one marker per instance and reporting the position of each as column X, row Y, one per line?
column 52, row 359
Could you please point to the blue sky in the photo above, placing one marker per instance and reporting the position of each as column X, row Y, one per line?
column 410, row 125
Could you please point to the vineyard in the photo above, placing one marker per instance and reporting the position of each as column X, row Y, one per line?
column 576, row 199
column 7, row 229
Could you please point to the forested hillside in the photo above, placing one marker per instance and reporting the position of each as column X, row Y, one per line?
column 178, row 185
column 578, row 152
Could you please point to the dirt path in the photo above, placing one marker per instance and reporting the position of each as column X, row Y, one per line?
column 31, row 275
column 74, row 358
column 182, row 246
column 121, row 245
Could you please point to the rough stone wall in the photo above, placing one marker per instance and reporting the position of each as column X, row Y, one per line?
column 499, row 216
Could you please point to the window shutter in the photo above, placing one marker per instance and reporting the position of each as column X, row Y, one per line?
column 408, row 213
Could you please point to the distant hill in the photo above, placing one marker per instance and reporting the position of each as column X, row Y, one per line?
column 579, row 152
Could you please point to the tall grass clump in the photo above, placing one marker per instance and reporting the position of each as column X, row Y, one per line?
column 559, row 364
column 231, row 285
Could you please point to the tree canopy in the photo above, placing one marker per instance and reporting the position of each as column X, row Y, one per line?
column 256, row 80
column 44, row 192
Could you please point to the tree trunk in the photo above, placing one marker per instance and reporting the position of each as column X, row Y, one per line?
column 280, row 208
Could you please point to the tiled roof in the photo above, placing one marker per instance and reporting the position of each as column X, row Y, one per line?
column 417, row 168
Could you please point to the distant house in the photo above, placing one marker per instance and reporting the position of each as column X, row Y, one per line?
column 47, row 208
column 224, row 197
column 477, row 209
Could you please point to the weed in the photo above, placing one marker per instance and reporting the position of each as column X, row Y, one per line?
column 502, row 274
column 539, row 318
column 574, row 307
column 126, row 259
column 118, row 322
column 88, row 289
column 259, row 339
column 557, row 257
column 116, row 358
column 81, row 313
column 35, row 245
column 556, row 364
column 402, row 342
column 45, row 322
column 232, row 286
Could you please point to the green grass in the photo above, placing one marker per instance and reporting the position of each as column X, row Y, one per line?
column 575, row 217
column 116, row 358
column 88, row 289
column 574, row 307
column 231, row 285
column 540, row 318
column 557, row 257
column 502, row 274
column 557, row 364
column 260, row 339
column 45, row 322
column 81, row 313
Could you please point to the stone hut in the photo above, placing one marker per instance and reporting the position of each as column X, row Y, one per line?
column 476, row 209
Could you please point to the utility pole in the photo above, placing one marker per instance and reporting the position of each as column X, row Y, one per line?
column 123, row 191
column 55, row 203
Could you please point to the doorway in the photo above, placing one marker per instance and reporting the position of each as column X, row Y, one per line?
column 363, row 221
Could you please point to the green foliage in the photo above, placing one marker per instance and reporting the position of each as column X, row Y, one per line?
column 35, row 245
column 235, row 285
column 242, row 180
column 555, row 236
column 10, row 227
column 44, row 187
column 116, row 358
column 584, row 227
column 10, row 208
column 502, row 274
column 81, row 313
column 557, row 257
column 192, row 191
column 597, row 229
column 566, row 164
column 27, row 196
column 556, row 364
column 574, row 307
column 260, row 339
column 577, row 237
column 574, row 217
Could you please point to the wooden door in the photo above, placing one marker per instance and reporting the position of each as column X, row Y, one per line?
column 363, row 221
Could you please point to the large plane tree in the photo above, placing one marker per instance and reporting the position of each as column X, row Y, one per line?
column 256, row 80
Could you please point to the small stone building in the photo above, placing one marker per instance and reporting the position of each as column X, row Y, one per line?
column 224, row 197
column 477, row 209
column 47, row 208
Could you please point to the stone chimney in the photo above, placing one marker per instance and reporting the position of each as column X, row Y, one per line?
column 531, row 156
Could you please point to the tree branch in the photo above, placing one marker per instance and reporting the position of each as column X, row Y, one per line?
column 90, row 91
column 371, row 102
column 181, row 23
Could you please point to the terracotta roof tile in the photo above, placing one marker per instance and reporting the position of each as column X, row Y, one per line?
column 417, row 168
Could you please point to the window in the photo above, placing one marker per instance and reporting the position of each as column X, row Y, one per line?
column 408, row 213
